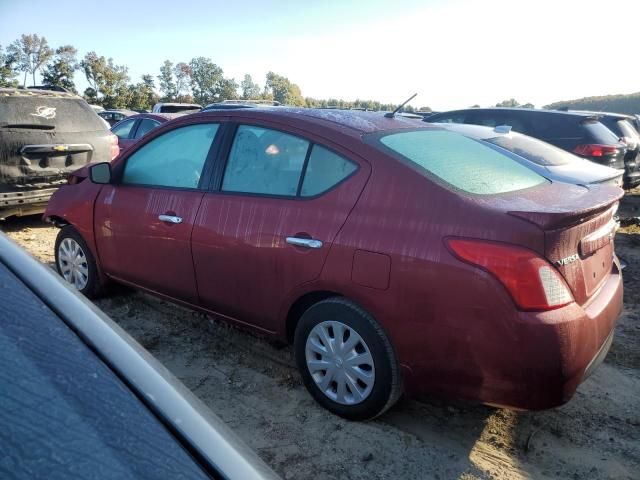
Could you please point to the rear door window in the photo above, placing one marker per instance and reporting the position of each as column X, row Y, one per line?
column 145, row 126
column 123, row 131
column 264, row 161
column 461, row 162
column 174, row 159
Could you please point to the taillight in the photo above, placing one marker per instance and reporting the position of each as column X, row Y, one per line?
column 595, row 150
column 115, row 150
column 530, row 280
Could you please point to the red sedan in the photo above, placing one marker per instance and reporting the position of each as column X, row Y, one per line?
column 396, row 256
column 133, row 128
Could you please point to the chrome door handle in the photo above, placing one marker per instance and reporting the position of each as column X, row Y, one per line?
column 170, row 218
column 304, row 242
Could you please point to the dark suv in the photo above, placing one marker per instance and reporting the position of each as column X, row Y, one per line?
column 45, row 135
column 582, row 133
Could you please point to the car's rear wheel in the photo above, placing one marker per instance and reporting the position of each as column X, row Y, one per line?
column 75, row 262
column 346, row 360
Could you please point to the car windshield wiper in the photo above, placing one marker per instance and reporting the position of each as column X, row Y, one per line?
column 32, row 126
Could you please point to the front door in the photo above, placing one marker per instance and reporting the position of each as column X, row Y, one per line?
column 143, row 222
column 268, row 229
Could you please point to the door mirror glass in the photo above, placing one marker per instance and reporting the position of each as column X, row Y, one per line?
column 100, row 173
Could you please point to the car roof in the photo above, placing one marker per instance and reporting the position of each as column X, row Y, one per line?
column 161, row 117
column 121, row 110
column 620, row 116
column 23, row 92
column 520, row 110
column 355, row 120
column 174, row 104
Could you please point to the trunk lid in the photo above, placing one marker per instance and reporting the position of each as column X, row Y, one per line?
column 579, row 230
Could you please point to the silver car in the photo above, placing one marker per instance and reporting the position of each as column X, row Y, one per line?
column 551, row 162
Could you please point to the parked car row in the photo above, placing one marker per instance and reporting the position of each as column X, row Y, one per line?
column 395, row 255
column 607, row 139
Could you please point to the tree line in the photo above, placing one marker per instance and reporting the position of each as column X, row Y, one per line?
column 629, row 104
column 199, row 80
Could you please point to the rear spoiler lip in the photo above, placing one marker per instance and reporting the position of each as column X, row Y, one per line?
column 554, row 220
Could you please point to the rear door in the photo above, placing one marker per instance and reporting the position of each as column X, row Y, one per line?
column 143, row 222
column 268, row 226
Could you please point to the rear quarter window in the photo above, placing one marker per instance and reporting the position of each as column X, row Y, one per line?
column 461, row 162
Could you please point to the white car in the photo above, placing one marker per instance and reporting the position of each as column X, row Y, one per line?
column 176, row 107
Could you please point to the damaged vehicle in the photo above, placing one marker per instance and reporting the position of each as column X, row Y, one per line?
column 396, row 256
column 44, row 136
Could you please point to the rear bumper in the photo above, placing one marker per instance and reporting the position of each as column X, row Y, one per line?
column 535, row 361
column 24, row 202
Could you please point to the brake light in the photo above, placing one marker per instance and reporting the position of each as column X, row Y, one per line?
column 115, row 149
column 595, row 150
column 530, row 280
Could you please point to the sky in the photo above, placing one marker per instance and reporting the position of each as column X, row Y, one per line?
column 453, row 53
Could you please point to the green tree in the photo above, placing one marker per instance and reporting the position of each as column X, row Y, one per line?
column 167, row 83
column 142, row 95
column 182, row 72
column 107, row 79
column 283, row 90
column 60, row 71
column 508, row 103
column 250, row 90
column 31, row 53
column 7, row 69
column 208, row 83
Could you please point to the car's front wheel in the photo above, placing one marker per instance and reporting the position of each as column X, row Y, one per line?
column 346, row 360
column 75, row 262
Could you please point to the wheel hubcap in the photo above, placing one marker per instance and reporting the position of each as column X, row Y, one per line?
column 72, row 262
column 340, row 362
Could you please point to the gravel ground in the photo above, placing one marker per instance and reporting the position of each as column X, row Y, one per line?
column 253, row 385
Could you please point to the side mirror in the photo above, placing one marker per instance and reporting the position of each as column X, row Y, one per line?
column 100, row 173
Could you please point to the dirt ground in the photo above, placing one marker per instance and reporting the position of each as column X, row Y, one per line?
column 253, row 385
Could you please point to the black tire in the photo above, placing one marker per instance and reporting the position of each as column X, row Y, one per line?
column 387, row 387
column 93, row 287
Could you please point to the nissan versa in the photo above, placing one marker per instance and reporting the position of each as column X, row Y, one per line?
column 396, row 256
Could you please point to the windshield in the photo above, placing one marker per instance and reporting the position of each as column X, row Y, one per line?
column 533, row 150
column 463, row 163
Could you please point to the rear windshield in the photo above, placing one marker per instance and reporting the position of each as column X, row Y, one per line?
column 599, row 133
column 176, row 109
column 63, row 114
column 533, row 150
column 627, row 129
column 463, row 163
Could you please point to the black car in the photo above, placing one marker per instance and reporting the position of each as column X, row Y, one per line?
column 44, row 136
column 581, row 133
column 79, row 398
